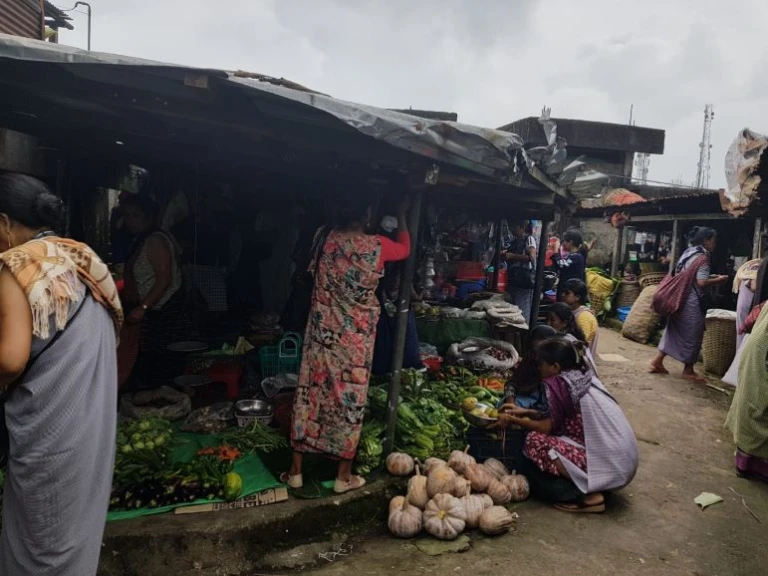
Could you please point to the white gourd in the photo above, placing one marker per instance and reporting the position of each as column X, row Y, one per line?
column 487, row 500
column 432, row 463
column 440, row 481
column 479, row 476
column 396, row 502
column 497, row 467
column 444, row 517
column 518, row 486
column 405, row 520
column 399, row 464
column 461, row 487
column 459, row 460
column 496, row 520
column 417, row 490
column 474, row 506
column 498, row 492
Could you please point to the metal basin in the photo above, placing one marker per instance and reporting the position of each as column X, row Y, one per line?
column 479, row 421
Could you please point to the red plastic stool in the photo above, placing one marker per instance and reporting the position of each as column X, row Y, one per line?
column 229, row 374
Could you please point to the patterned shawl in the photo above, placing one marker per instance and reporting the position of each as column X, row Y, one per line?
column 48, row 271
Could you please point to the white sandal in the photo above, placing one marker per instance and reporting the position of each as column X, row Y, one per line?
column 294, row 482
column 354, row 483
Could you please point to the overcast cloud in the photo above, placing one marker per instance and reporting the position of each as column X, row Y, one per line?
column 491, row 61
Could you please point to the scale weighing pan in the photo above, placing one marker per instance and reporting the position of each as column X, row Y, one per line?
column 187, row 347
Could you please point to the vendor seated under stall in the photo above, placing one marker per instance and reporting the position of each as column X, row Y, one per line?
column 154, row 298
column 525, row 388
column 583, row 437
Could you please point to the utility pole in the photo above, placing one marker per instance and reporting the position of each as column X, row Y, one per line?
column 89, row 20
column 705, row 149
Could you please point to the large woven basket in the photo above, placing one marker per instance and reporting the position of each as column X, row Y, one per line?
column 628, row 292
column 651, row 279
column 719, row 347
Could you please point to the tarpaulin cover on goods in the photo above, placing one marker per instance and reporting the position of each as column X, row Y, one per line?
column 741, row 163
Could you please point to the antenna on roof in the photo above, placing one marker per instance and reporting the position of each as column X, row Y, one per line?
column 705, row 149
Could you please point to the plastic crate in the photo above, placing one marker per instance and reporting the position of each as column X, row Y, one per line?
column 284, row 358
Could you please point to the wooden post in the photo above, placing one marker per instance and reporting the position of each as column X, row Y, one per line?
column 757, row 239
column 674, row 248
column 403, row 309
column 617, row 252
column 541, row 259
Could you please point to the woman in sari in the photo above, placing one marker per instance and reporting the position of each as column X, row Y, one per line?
column 330, row 399
column 748, row 416
column 584, row 436
column 59, row 315
column 685, row 329
column 576, row 296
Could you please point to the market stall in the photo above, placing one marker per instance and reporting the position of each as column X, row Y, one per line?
column 227, row 152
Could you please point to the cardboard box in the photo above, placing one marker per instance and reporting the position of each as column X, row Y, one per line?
column 271, row 496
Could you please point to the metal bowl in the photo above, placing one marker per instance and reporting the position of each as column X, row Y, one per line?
column 192, row 380
column 254, row 407
column 187, row 347
column 479, row 421
column 249, row 411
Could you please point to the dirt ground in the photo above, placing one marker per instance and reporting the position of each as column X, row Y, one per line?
column 651, row 528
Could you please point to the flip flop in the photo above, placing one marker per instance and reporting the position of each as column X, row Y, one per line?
column 656, row 370
column 294, row 482
column 354, row 483
column 696, row 378
column 582, row 508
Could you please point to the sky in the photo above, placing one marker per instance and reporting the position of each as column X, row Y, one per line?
column 490, row 61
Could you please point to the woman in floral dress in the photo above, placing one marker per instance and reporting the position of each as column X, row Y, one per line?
column 585, row 436
column 330, row 398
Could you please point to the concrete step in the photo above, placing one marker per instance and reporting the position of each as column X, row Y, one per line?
column 288, row 535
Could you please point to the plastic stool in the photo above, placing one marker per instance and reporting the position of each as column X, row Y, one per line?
column 229, row 374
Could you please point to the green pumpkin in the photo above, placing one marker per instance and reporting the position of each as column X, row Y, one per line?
column 233, row 486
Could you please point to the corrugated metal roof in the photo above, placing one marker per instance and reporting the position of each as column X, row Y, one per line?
column 495, row 157
column 21, row 18
column 56, row 18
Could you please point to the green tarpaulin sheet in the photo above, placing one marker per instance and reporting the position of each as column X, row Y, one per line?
column 256, row 476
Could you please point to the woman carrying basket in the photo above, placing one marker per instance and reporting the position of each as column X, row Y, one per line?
column 684, row 334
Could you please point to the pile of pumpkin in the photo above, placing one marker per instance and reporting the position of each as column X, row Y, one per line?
column 454, row 496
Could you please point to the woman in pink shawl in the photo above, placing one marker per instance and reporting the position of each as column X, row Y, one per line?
column 585, row 436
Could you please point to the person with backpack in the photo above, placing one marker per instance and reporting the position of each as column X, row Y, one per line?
column 681, row 298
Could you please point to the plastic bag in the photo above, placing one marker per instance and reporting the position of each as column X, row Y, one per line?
column 211, row 419
column 483, row 354
column 165, row 402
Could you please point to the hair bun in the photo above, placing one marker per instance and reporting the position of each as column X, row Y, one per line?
column 48, row 209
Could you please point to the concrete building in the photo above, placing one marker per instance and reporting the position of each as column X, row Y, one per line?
column 604, row 147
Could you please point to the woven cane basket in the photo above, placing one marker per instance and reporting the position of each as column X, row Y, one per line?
column 719, row 347
column 628, row 292
column 651, row 279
